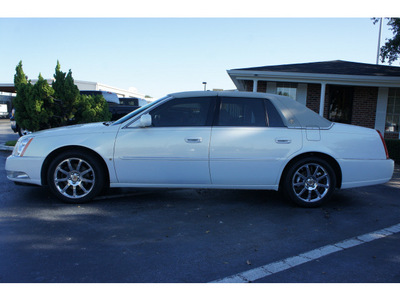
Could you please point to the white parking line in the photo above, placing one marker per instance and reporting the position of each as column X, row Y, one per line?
column 275, row 267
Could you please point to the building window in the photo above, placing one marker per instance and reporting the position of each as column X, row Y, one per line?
column 248, row 85
column 262, row 86
column 287, row 89
column 393, row 111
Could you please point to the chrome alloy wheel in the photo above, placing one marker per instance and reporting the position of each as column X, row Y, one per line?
column 311, row 182
column 74, row 178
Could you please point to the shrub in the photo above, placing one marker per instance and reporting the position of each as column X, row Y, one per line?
column 393, row 149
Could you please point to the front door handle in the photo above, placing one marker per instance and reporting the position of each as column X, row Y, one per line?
column 193, row 140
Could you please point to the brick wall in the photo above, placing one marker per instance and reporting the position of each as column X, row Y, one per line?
column 364, row 106
column 313, row 97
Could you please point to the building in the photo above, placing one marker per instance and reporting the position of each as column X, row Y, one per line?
column 348, row 92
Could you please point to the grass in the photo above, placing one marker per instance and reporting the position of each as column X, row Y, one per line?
column 11, row 143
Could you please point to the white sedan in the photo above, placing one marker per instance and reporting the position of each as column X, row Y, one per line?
column 224, row 140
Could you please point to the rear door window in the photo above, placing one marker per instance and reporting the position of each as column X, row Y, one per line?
column 242, row 112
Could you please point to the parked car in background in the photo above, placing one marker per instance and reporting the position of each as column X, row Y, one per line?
column 3, row 110
column 15, row 127
column 228, row 140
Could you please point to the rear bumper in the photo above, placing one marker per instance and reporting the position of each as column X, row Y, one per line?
column 357, row 173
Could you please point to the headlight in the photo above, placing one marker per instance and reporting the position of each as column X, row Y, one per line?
column 21, row 146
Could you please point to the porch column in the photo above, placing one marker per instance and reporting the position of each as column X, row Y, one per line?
column 255, row 85
column 322, row 99
column 381, row 108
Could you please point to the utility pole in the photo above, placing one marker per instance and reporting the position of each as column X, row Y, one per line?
column 379, row 41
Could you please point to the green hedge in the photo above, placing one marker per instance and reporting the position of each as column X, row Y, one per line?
column 394, row 149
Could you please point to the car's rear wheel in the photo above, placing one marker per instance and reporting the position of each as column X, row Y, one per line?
column 75, row 177
column 309, row 182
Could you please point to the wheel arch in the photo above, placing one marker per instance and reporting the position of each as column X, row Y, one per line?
column 329, row 159
column 54, row 153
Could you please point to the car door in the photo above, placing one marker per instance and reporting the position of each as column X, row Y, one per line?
column 249, row 143
column 173, row 151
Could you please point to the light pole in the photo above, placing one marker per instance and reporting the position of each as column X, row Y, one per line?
column 379, row 41
column 205, row 85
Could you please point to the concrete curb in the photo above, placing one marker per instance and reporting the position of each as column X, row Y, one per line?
column 6, row 148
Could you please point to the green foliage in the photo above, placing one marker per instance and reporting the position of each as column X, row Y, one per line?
column 10, row 143
column 66, row 92
column 42, row 106
column 91, row 109
column 393, row 146
column 19, row 77
column 34, row 104
column 391, row 49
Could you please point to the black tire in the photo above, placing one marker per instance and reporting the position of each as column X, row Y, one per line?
column 75, row 177
column 23, row 132
column 309, row 182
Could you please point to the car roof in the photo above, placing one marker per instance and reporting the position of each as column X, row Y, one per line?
column 293, row 113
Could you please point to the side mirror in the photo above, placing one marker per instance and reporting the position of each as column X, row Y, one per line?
column 145, row 121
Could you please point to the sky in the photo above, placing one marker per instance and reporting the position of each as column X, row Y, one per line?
column 158, row 56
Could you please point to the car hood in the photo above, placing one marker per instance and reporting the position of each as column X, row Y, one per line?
column 73, row 130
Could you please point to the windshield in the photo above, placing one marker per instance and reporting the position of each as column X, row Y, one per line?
column 138, row 111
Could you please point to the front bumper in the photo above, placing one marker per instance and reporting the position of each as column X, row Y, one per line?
column 24, row 169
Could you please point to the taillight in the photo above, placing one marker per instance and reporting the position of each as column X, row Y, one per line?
column 384, row 144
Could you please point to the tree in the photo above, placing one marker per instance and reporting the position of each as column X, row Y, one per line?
column 42, row 106
column 21, row 86
column 19, row 77
column 391, row 49
column 74, row 107
column 34, row 104
column 43, row 112
column 66, row 93
column 91, row 109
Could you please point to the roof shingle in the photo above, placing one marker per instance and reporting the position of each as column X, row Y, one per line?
column 339, row 67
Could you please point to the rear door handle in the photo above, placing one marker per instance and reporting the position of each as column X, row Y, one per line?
column 193, row 140
column 283, row 141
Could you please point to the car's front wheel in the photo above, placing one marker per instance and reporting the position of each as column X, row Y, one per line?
column 75, row 177
column 309, row 182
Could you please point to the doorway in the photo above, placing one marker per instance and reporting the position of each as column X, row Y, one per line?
column 340, row 103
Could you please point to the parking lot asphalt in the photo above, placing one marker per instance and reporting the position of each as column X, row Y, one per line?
column 194, row 236
column 6, row 134
column 152, row 236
